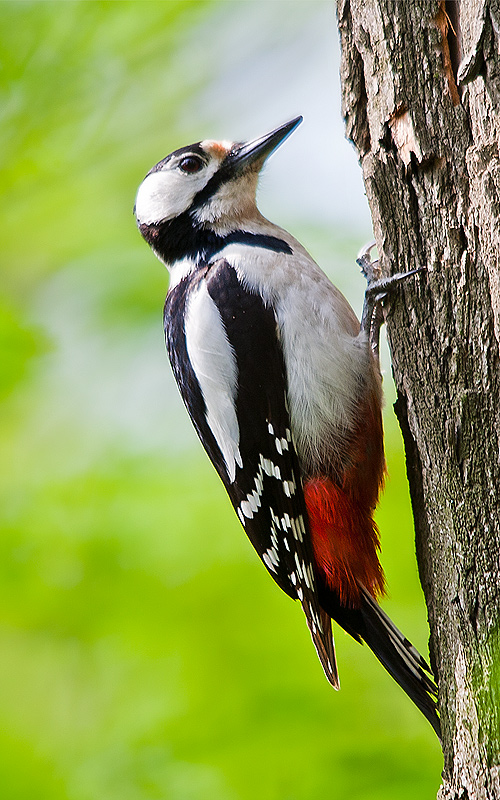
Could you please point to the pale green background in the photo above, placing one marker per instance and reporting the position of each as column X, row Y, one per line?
column 145, row 652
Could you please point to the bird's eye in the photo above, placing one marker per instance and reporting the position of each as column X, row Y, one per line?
column 190, row 164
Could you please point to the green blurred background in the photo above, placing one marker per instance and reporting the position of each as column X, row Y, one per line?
column 145, row 653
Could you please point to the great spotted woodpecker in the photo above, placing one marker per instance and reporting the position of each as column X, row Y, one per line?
column 283, row 387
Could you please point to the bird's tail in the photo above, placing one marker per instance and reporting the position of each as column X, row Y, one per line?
column 401, row 660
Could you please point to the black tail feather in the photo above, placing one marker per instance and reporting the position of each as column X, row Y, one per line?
column 399, row 657
column 401, row 660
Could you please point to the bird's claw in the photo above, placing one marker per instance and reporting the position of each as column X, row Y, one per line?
column 378, row 289
column 369, row 268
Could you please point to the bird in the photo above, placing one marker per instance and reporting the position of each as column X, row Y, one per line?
column 283, row 386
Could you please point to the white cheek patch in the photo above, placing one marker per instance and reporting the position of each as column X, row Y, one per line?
column 164, row 195
column 214, row 364
column 169, row 192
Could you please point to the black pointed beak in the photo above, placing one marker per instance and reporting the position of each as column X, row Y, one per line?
column 259, row 149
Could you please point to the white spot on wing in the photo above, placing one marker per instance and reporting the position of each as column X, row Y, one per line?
column 267, row 466
column 306, row 578
column 270, row 558
column 246, row 509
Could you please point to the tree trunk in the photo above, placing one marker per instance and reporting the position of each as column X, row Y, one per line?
column 421, row 99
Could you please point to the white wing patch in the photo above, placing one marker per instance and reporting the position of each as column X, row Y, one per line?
column 214, row 365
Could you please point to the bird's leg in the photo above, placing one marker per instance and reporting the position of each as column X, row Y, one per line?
column 377, row 291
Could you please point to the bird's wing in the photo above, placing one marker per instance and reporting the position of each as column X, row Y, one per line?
column 225, row 351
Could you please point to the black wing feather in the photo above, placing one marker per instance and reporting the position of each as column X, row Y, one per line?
column 267, row 491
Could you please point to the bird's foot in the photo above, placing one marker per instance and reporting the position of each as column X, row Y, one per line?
column 377, row 291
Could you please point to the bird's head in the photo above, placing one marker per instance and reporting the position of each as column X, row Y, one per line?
column 213, row 183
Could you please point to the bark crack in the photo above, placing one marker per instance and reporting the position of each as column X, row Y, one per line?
column 448, row 13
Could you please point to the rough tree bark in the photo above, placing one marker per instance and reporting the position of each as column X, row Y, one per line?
column 421, row 99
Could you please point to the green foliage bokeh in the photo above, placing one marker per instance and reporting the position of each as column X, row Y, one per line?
column 145, row 652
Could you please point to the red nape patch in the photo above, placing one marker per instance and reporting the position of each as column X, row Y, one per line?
column 345, row 541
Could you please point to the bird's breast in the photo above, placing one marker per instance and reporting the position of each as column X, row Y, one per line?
column 329, row 373
column 329, row 366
